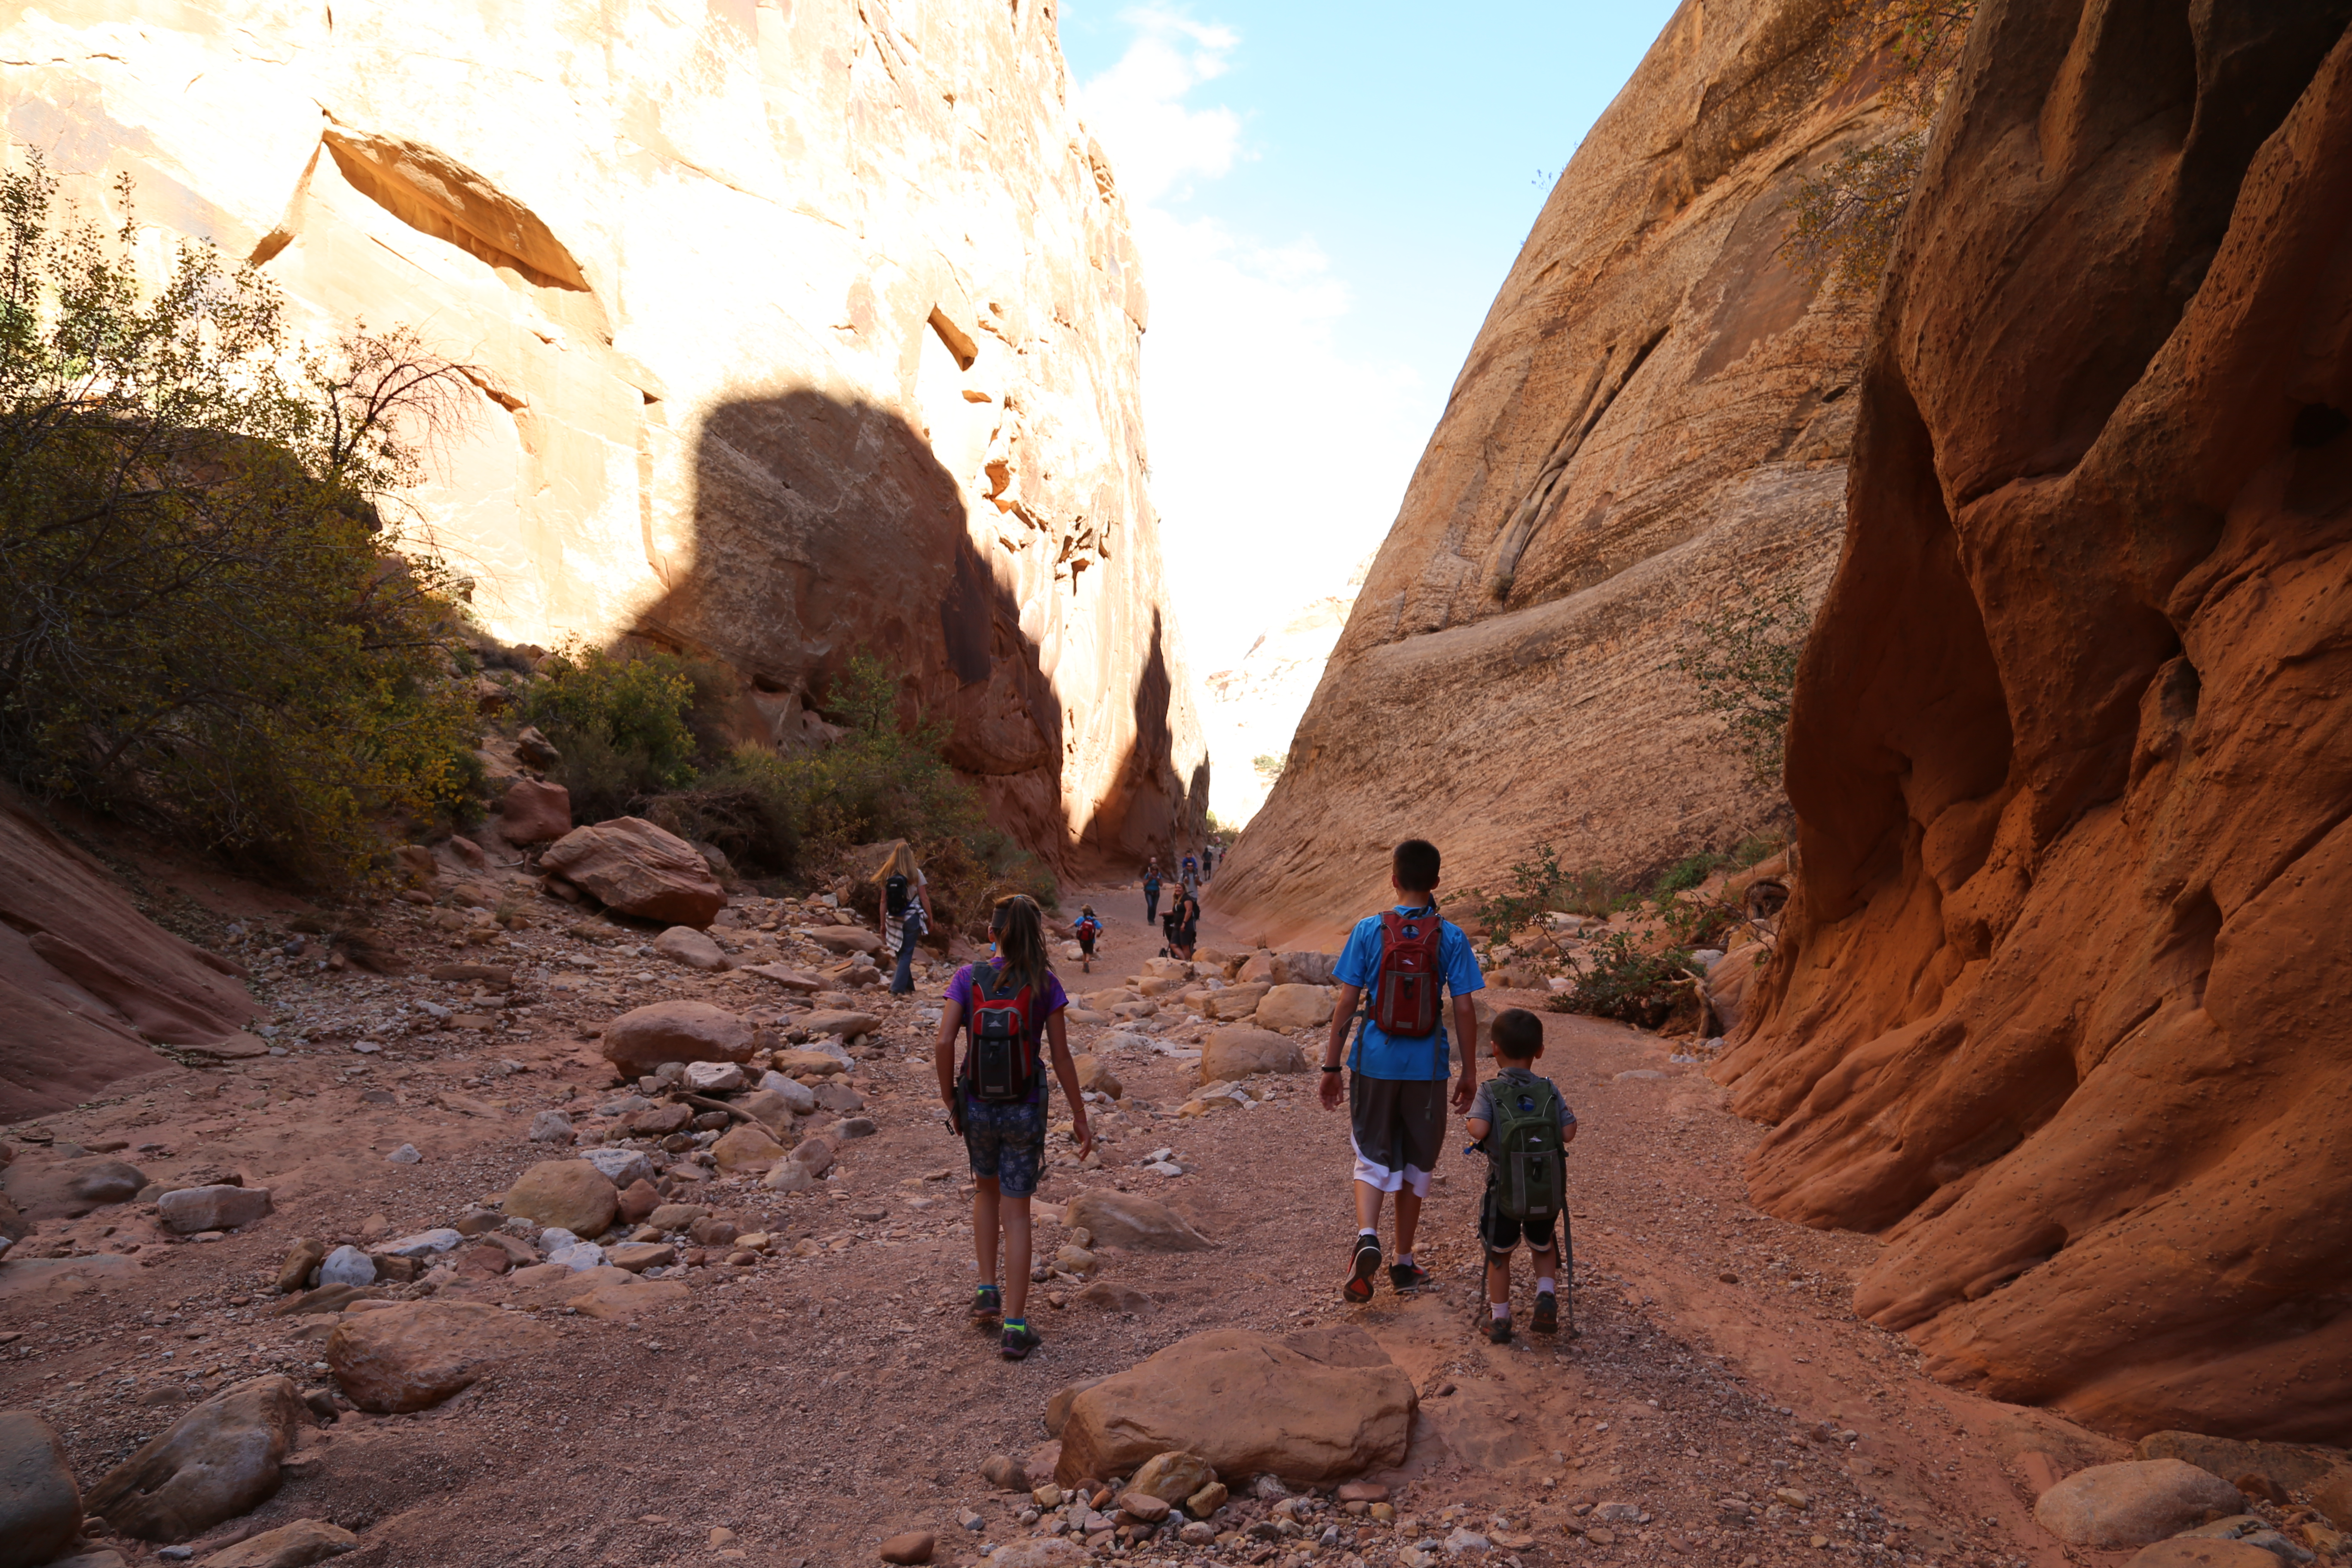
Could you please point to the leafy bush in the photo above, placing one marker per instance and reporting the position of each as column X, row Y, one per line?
column 621, row 721
column 1627, row 984
column 1745, row 666
column 208, row 624
column 1267, row 765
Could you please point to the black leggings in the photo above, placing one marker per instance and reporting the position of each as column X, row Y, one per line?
column 1151, row 906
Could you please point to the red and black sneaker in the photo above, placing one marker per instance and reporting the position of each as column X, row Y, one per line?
column 1363, row 1265
column 1547, row 1318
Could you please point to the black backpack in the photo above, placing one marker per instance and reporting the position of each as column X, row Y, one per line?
column 1001, row 1067
column 894, row 895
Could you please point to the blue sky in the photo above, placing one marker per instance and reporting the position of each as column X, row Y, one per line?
column 1326, row 198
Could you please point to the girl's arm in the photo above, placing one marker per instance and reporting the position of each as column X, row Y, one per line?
column 943, row 1051
column 1066, row 1073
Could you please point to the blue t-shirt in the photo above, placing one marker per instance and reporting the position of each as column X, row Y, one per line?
column 1377, row 1055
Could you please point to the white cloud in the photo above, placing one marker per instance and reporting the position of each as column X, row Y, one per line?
column 1281, row 434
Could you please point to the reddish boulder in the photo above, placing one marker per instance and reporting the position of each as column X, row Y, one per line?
column 642, row 1039
column 531, row 812
column 2060, row 1009
column 639, row 869
column 415, row 1355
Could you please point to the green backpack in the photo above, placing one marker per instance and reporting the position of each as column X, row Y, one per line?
column 1525, row 1171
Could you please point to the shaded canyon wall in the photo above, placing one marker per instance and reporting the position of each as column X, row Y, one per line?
column 804, row 326
column 2064, row 1010
column 1655, row 410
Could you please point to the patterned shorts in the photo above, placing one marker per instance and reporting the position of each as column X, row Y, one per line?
column 1007, row 1141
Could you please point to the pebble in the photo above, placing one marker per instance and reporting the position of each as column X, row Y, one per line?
column 551, row 1127
column 406, row 1154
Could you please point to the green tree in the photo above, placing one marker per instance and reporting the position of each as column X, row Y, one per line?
column 207, row 620
column 1744, row 663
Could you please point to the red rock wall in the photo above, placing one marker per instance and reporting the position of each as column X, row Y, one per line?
column 2065, row 1009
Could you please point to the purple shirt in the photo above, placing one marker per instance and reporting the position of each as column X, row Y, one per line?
column 1051, row 1001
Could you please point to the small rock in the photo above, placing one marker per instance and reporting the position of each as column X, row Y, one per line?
column 424, row 1244
column 551, row 1127
column 1618, row 1513
column 1207, row 1501
column 1046, row 1496
column 794, row 1093
column 406, row 1154
column 1268, row 1488
column 854, row 1127
column 914, row 1546
column 295, row 1545
column 1142, row 1506
column 1362, row 1491
column 192, row 1209
column 714, row 1077
column 1004, row 1474
column 579, row 1257
column 684, row 945
column 970, row 1520
column 619, row 1167
column 1124, row 1219
column 570, row 1194
column 217, row 1461
column 305, row 1255
column 346, row 1266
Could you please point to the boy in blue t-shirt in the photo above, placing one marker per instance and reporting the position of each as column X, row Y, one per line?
column 1396, row 1089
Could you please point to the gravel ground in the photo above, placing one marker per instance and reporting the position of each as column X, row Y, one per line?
column 813, row 1404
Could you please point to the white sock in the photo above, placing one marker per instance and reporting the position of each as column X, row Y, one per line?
column 1367, row 1230
column 1544, row 1287
column 1405, row 1258
column 1502, row 1311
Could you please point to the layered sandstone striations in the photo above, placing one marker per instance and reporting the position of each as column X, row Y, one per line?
column 2064, row 1010
column 1655, row 411
column 802, row 327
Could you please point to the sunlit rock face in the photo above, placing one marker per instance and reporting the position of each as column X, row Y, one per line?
column 1655, row 410
column 802, row 327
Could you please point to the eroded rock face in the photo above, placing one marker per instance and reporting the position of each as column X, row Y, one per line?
column 2060, row 1008
column 1656, row 409
column 215, row 1462
column 1312, row 1408
column 773, row 363
column 85, row 980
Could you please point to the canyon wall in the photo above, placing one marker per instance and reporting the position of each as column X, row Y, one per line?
column 1654, row 413
column 801, row 327
column 2063, row 1009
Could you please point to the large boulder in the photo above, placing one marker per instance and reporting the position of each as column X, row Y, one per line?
column 642, row 1039
column 68, row 1189
column 2132, row 1503
column 1304, row 968
column 215, row 1462
column 1313, row 1408
column 532, row 812
column 295, row 1545
column 1236, row 1002
column 415, row 1355
column 565, row 1194
column 2323, row 1473
column 1124, row 1219
column 41, row 1506
column 1287, row 1007
column 2192, row 1552
column 638, row 868
column 216, row 1207
column 1240, row 1049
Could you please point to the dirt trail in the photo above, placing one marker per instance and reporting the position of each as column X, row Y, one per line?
column 815, row 1405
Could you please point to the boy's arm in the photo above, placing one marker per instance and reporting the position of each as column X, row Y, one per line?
column 1343, row 1013
column 1478, row 1130
column 1066, row 1073
column 1465, row 1029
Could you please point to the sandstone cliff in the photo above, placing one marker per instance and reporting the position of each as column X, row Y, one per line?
column 2064, row 1010
column 804, row 326
column 1656, row 409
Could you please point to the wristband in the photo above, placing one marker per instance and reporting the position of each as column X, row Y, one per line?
column 1330, row 1070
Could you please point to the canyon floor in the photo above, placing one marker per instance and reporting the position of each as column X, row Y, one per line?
column 814, row 1404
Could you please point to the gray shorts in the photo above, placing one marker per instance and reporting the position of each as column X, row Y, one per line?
column 1398, row 1126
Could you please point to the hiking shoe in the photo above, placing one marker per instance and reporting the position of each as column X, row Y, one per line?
column 1020, row 1341
column 1363, row 1263
column 1406, row 1278
column 1546, row 1318
column 987, row 1308
column 1498, row 1330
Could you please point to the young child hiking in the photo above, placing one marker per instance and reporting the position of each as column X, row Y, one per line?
column 996, row 1099
column 1396, row 963
column 1524, row 1124
column 1152, row 893
column 1086, row 930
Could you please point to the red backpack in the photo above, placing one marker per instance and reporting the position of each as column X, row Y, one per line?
column 1001, row 1064
column 1404, row 1003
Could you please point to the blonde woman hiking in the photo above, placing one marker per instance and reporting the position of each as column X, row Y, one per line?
column 996, row 1099
column 905, row 912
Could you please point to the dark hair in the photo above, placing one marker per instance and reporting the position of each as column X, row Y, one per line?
column 1518, row 1033
column 1416, row 864
column 1019, row 927
column 1085, row 908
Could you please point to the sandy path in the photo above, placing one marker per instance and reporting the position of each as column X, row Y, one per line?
column 813, row 1406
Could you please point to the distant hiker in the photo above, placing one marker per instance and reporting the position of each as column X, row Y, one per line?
column 1397, row 962
column 1524, row 1124
column 1208, row 860
column 1183, row 925
column 1152, row 893
column 1086, row 928
column 905, row 912
column 1192, row 872
column 996, row 1099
